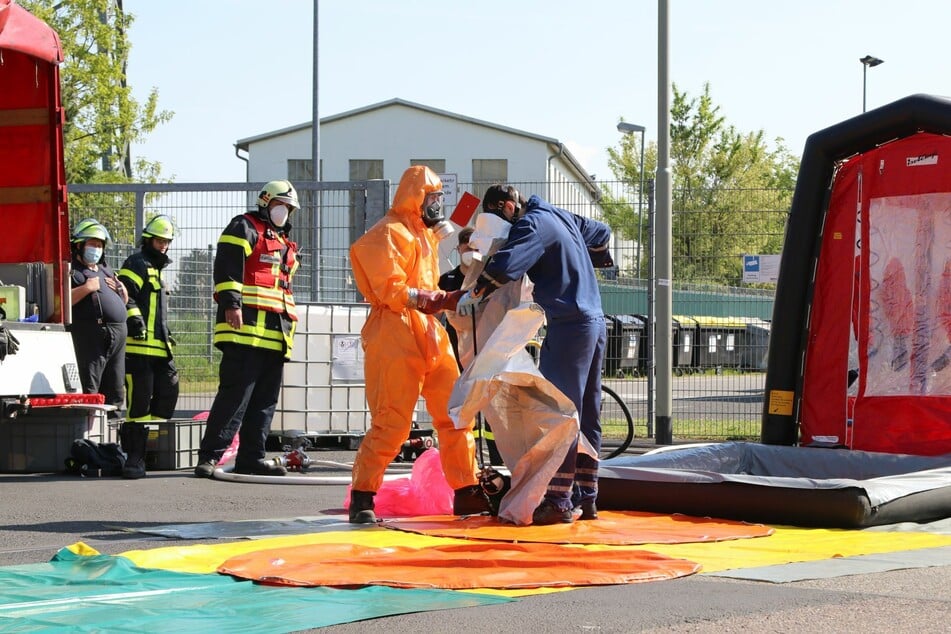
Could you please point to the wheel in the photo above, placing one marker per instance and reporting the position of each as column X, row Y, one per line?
column 615, row 413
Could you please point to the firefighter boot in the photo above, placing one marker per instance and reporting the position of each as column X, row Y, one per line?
column 548, row 513
column 134, row 437
column 361, row 507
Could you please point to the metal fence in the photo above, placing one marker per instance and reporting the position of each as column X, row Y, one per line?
column 720, row 333
column 330, row 214
column 720, row 330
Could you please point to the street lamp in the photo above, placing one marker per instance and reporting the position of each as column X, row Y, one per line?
column 867, row 62
column 630, row 128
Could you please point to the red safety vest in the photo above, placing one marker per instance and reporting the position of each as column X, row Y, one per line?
column 268, row 271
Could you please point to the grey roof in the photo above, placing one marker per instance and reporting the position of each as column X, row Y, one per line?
column 244, row 144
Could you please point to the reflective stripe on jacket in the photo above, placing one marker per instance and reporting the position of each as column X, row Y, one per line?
column 142, row 277
column 254, row 266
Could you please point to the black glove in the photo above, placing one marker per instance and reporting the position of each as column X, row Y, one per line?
column 8, row 343
column 601, row 257
column 136, row 327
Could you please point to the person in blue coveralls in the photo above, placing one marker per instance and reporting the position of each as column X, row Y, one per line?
column 559, row 252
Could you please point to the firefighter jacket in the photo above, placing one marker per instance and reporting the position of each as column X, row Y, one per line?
column 254, row 266
column 141, row 274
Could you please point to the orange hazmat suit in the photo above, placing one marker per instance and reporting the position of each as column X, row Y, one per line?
column 407, row 353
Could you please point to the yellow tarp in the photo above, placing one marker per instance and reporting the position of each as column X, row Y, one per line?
column 789, row 544
column 785, row 545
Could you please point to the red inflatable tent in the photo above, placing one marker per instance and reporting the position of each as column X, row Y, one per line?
column 860, row 350
column 33, row 208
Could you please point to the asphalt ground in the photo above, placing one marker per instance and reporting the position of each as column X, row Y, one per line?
column 41, row 513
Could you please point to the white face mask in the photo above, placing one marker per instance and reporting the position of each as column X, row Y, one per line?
column 467, row 258
column 279, row 214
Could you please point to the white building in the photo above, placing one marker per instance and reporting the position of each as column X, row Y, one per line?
column 381, row 140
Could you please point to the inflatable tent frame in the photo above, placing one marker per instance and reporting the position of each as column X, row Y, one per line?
column 796, row 486
column 894, row 425
column 883, row 174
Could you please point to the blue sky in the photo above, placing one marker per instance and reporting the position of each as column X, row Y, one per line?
column 231, row 69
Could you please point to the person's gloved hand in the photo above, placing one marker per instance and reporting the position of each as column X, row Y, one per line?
column 466, row 304
column 8, row 343
column 601, row 257
column 431, row 302
column 136, row 326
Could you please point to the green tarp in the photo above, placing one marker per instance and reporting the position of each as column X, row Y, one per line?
column 105, row 593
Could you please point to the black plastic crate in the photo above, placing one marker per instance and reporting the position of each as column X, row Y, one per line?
column 173, row 444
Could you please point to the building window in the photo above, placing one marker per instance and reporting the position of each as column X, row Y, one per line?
column 365, row 169
column 436, row 165
column 300, row 169
column 487, row 172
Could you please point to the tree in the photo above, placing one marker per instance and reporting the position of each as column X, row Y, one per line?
column 723, row 183
column 103, row 119
column 193, row 287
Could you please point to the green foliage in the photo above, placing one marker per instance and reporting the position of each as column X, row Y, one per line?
column 103, row 119
column 724, row 183
column 195, row 355
column 614, row 430
column 194, row 290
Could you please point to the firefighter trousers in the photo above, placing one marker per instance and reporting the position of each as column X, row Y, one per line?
column 151, row 387
column 248, row 389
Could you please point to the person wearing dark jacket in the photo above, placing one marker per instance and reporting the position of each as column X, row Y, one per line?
column 255, row 324
column 559, row 251
column 151, row 378
column 98, row 327
column 452, row 281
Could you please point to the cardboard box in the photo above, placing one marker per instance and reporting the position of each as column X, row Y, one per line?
column 173, row 444
column 39, row 441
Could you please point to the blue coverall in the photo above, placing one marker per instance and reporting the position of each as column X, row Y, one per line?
column 551, row 245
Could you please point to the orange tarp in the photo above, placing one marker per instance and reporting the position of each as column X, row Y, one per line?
column 455, row 566
column 611, row 527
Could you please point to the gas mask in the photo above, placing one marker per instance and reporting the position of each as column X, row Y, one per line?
column 516, row 213
column 435, row 218
column 92, row 255
column 279, row 214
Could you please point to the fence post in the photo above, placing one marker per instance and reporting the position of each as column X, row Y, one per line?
column 378, row 201
column 651, row 310
column 139, row 216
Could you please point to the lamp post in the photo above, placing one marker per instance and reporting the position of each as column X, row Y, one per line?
column 867, row 62
column 631, row 128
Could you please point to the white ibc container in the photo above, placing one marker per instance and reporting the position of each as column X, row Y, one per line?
column 323, row 390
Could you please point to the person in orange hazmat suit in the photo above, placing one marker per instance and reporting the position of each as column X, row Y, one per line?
column 407, row 351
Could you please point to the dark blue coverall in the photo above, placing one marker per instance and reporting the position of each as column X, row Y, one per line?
column 555, row 247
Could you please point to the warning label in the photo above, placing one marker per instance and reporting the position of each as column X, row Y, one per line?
column 781, row 402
